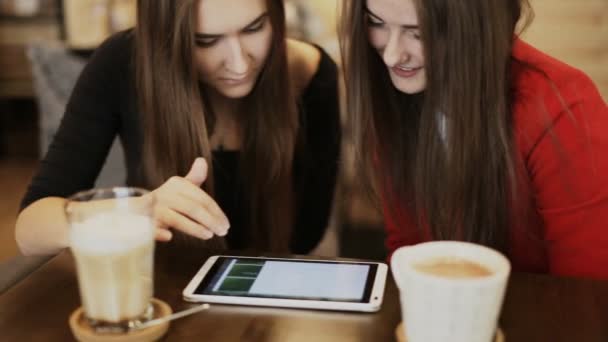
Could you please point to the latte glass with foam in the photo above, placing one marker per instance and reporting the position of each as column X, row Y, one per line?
column 112, row 240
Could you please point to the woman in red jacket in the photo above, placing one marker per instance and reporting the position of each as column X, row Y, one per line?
column 469, row 133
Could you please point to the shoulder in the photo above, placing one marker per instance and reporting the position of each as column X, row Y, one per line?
column 114, row 54
column 544, row 90
column 538, row 78
column 303, row 60
column 110, row 68
column 551, row 98
column 307, row 63
column 105, row 85
column 122, row 41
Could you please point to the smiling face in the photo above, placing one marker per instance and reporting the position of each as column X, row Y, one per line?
column 393, row 31
column 233, row 39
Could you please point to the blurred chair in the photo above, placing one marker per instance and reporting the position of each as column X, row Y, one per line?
column 55, row 72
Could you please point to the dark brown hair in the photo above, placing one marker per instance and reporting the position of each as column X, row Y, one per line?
column 177, row 122
column 462, row 188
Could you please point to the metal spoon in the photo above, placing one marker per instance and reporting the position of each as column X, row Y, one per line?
column 171, row 317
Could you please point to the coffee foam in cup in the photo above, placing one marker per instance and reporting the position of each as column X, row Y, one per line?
column 109, row 233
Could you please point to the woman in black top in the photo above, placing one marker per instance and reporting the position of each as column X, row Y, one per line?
column 214, row 79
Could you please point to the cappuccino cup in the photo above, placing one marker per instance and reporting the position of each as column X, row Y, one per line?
column 450, row 291
column 112, row 239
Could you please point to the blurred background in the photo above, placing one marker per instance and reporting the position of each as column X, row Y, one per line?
column 45, row 43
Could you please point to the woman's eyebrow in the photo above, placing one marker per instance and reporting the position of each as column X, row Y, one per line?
column 371, row 14
column 256, row 21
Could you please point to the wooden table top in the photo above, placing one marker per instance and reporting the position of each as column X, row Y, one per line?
column 536, row 308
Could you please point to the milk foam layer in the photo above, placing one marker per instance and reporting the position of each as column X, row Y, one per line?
column 114, row 254
column 111, row 233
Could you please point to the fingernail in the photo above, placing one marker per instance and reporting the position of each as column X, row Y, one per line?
column 165, row 235
column 225, row 227
column 224, row 231
column 206, row 235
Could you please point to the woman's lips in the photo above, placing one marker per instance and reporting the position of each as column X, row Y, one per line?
column 235, row 81
column 405, row 72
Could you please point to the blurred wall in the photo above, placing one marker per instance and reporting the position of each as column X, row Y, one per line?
column 576, row 32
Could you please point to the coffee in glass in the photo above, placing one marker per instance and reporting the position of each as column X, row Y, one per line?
column 112, row 240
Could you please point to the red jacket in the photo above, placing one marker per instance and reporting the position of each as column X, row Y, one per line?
column 567, row 166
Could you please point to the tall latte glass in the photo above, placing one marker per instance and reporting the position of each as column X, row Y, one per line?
column 112, row 240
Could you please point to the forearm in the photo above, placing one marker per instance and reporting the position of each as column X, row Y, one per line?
column 42, row 227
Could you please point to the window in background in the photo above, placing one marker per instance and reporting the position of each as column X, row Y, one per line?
column 22, row 8
column 89, row 22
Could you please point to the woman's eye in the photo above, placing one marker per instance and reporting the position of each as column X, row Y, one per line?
column 206, row 42
column 374, row 22
column 414, row 34
column 255, row 28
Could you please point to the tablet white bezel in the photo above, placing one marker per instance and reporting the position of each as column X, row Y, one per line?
column 375, row 298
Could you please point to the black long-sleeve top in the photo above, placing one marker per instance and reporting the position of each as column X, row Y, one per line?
column 103, row 104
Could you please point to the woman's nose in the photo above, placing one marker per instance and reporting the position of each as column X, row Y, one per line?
column 394, row 51
column 237, row 60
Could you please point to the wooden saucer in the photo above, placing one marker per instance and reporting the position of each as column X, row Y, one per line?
column 84, row 333
column 400, row 334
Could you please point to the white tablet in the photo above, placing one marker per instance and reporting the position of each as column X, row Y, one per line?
column 293, row 283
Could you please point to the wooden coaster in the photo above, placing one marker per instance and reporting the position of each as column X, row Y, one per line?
column 84, row 333
column 400, row 334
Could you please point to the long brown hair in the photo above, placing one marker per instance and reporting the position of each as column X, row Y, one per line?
column 177, row 122
column 464, row 187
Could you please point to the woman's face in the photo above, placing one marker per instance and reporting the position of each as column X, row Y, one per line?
column 394, row 33
column 233, row 39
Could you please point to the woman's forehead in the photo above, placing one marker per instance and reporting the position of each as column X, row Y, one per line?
column 394, row 12
column 226, row 16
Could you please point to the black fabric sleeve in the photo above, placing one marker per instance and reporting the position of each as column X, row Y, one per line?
column 88, row 127
column 316, row 164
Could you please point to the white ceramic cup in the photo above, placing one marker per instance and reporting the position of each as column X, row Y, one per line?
column 440, row 308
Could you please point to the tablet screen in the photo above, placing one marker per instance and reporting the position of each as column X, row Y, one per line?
column 279, row 278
